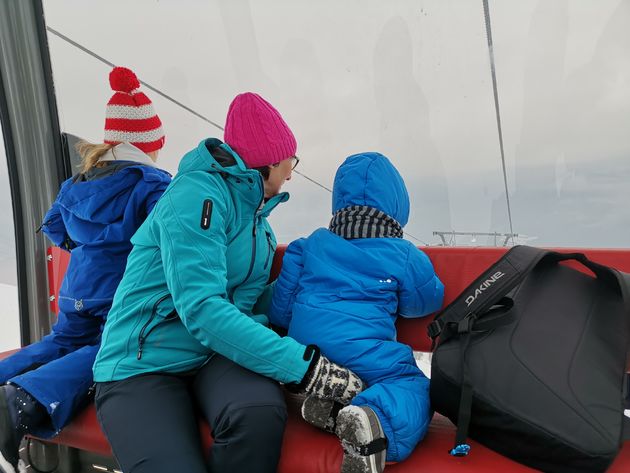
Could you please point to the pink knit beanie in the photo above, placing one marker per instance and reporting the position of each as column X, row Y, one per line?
column 257, row 132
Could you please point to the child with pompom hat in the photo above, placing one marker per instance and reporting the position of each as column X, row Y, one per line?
column 93, row 217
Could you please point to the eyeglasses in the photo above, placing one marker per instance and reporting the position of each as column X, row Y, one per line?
column 296, row 161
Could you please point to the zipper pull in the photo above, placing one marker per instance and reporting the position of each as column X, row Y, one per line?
column 269, row 248
column 140, row 345
column 44, row 224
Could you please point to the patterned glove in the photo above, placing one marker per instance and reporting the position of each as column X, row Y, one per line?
column 327, row 380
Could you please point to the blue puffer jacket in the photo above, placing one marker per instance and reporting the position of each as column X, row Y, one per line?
column 344, row 295
column 95, row 217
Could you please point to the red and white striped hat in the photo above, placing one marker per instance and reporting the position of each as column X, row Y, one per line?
column 130, row 116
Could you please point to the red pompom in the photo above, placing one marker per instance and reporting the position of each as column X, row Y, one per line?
column 122, row 79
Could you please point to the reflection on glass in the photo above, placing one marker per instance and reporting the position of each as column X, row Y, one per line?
column 9, row 313
column 411, row 80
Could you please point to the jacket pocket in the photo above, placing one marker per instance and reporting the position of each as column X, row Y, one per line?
column 158, row 317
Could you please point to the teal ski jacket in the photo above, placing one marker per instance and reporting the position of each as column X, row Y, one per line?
column 199, row 264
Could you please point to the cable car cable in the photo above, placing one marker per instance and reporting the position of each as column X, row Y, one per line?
column 486, row 13
column 312, row 180
column 178, row 103
column 148, row 86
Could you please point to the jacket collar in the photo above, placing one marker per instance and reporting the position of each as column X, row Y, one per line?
column 127, row 152
column 273, row 203
column 214, row 156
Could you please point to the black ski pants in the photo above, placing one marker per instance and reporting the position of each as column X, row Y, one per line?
column 151, row 421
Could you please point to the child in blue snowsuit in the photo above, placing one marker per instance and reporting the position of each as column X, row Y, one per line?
column 93, row 217
column 342, row 288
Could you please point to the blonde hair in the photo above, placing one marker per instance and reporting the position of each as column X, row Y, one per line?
column 90, row 154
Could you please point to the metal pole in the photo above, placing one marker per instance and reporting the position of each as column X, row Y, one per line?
column 36, row 166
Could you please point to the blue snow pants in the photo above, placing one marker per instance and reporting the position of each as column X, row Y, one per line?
column 398, row 391
column 57, row 370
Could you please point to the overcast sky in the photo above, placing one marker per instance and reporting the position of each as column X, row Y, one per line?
column 410, row 79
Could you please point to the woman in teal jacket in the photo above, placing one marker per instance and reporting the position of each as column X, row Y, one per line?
column 187, row 330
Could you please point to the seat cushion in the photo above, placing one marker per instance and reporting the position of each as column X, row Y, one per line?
column 309, row 450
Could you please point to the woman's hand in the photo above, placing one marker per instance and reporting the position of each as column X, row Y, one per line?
column 327, row 380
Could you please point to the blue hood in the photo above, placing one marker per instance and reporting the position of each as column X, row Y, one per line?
column 371, row 179
column 105, row 200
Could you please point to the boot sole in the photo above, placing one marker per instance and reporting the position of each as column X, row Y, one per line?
column 348, row 430
column 320, row 413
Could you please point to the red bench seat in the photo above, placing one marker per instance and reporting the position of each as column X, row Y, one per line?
column 306, row 449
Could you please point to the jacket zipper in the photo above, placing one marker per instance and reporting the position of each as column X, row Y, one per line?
column 67, row 243
column 44, row 224
column 142, row 336
column 253, row 258
column 269, row 246
column 251, row 262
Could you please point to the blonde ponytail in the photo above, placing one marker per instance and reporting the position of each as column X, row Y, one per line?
column 90, row 154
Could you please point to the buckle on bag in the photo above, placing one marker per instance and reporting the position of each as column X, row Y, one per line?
column 435, row 328
column 466, row 324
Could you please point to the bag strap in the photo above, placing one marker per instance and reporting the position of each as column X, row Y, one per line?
column 498, row 315
column 506, row 274
column 487, row 289
column 613, row 278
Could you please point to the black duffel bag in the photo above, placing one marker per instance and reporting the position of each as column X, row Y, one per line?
column 531, row 360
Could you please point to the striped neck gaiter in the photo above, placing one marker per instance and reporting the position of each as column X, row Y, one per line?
column 361, row 221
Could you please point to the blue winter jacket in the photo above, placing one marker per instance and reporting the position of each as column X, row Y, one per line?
column 94, row 218
column 336, row 293
column 344, row 296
